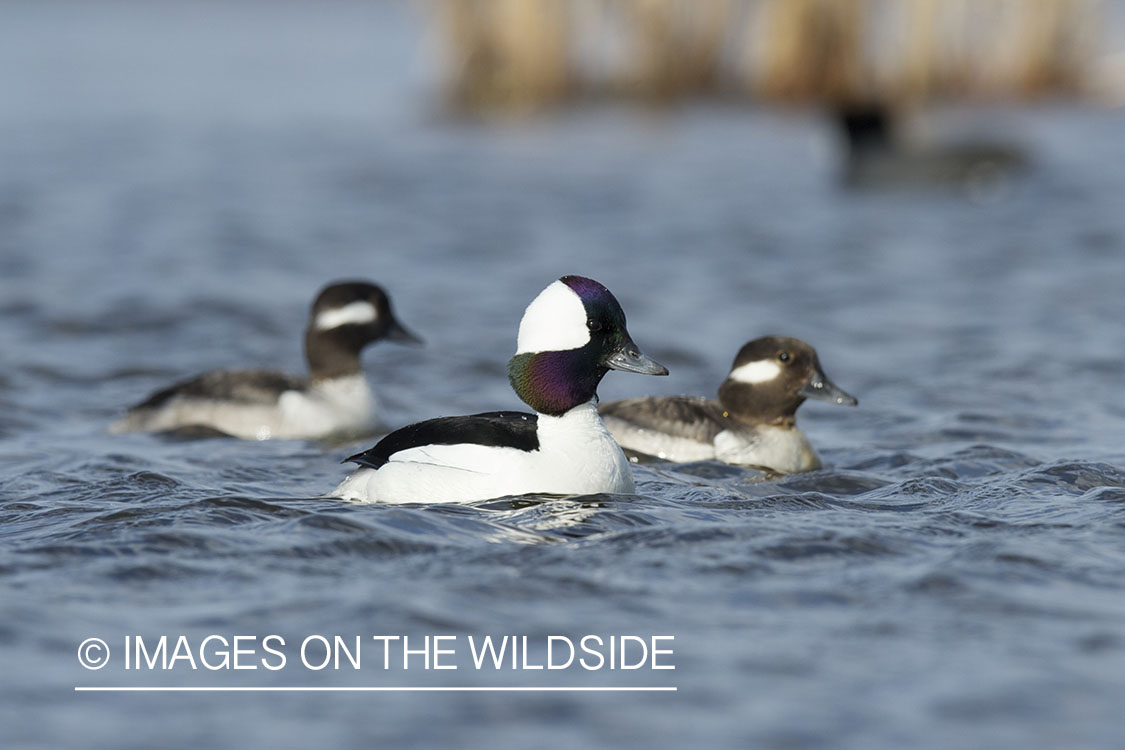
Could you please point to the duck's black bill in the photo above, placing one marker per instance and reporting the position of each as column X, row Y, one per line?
column 823, row 389
column 396, row 332
column 631, row 359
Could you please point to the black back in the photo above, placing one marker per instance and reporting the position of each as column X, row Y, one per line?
column 502, row 429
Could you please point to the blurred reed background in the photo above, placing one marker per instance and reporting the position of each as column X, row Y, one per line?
column 524, row 55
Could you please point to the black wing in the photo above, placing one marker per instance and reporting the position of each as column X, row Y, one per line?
column 242, row 386
column 505, row 429
column 690, row 417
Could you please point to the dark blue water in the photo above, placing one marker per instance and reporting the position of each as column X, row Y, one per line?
column 176, row 183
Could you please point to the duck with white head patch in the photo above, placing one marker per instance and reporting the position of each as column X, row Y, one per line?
column 754, row 421
column 259, row 404
column 570, row 336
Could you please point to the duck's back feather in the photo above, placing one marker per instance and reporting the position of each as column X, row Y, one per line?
column 688, row 417
column 501, row 429
column 240, row 386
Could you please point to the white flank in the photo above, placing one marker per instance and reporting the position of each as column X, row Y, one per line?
column 343, row 404
column 554, row 321
column 657, row 443
column 353, row 313
column 760, row 371
column 784, row 450
column 576, row 456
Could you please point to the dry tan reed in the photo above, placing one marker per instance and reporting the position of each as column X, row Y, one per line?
column 521, row 54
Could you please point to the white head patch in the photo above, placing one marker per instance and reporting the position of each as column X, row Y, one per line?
column 554, row 321
column 353, row 313
column 759, row 371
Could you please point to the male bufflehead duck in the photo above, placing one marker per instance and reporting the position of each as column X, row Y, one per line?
column 752, row 424
column 570, row 336
column 261, row 404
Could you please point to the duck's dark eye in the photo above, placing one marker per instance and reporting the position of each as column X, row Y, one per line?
column 594, row 325
column 783, row 356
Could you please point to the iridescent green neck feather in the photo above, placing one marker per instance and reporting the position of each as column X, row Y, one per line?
column 553, row 383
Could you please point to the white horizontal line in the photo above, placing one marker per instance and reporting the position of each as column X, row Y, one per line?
column 369, row 689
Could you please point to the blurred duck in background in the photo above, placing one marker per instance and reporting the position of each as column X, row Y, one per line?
column 876, row 157
column 335, row 398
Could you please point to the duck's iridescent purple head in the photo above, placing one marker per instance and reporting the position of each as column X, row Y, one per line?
column 570, row 336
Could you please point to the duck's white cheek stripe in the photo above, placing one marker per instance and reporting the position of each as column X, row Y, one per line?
column 554, row 321
column 353, row 313
column 756, row 372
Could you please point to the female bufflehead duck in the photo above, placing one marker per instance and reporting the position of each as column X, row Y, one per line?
column 752, row 424
column 261, row 404
column 571, row 335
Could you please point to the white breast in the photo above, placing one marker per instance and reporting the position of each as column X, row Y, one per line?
column 576, row 456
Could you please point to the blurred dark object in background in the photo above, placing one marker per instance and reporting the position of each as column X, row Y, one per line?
column 875, row 156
